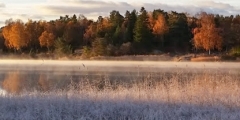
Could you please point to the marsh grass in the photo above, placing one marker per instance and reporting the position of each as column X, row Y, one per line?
column 149, row 96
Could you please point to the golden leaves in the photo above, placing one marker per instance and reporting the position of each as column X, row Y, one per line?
column 15, row 35
column 160, row 27
column 207, row 35
column 47, row 39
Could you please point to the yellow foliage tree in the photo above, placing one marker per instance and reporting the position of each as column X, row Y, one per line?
column 207, row 36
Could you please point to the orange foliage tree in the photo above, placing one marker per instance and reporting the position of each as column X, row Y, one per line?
column 90, row 33
column 207, row 36
column 103, row 27
column 47, row 37
column 160, row 25
column 15, row 35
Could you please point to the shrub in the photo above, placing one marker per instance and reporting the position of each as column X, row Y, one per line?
column 62, row 48
column 111, row 50
column 125, row 48
column 99, row 47
column 86, row 52
column 235, row 51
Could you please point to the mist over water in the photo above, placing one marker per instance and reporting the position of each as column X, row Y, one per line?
column 111, row 65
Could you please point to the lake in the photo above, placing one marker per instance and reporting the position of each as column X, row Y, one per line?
column 47, row 75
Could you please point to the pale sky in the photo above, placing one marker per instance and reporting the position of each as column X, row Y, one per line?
column 53, row 9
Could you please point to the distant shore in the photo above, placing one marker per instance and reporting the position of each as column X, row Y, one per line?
column 160, row 57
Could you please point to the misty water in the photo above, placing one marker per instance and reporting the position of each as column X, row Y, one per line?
column 48, row 75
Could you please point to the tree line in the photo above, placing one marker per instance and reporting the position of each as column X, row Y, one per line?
column 135, row 32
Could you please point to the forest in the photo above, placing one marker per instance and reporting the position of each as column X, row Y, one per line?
column 134, row 33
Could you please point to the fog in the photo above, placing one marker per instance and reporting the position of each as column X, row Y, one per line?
column 110, row 66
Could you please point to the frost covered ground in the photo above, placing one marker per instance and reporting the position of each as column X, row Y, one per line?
column 187, row 94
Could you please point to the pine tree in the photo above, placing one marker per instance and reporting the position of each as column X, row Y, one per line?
column 143, row 34
column 130, row 21
column 179, row 33
column 117, row 36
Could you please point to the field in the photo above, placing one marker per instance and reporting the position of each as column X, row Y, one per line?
column 119, row 90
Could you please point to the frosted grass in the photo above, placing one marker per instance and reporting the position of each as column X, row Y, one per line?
column 197, row 97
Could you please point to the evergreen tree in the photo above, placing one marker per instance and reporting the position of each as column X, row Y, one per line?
column 115, row 32
column 117, row 36
column 116, row 19
column 179, row 34
column 130, row 21
column 143, row 34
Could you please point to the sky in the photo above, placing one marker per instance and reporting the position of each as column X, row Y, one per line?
column 53, row 9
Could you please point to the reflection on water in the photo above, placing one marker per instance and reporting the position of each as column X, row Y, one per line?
column 16, row 81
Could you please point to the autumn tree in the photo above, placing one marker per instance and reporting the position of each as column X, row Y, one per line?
column 15, row 35
column 34, row 30
column 137, row 32
column 207, row 36
column 90, row 34
column 47, row 37
column 103, row 27
column 159, row 28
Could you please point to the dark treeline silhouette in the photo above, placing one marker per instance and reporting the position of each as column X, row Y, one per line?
column 137, row 32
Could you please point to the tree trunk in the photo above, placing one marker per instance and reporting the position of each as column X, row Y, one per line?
column 209, row 51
